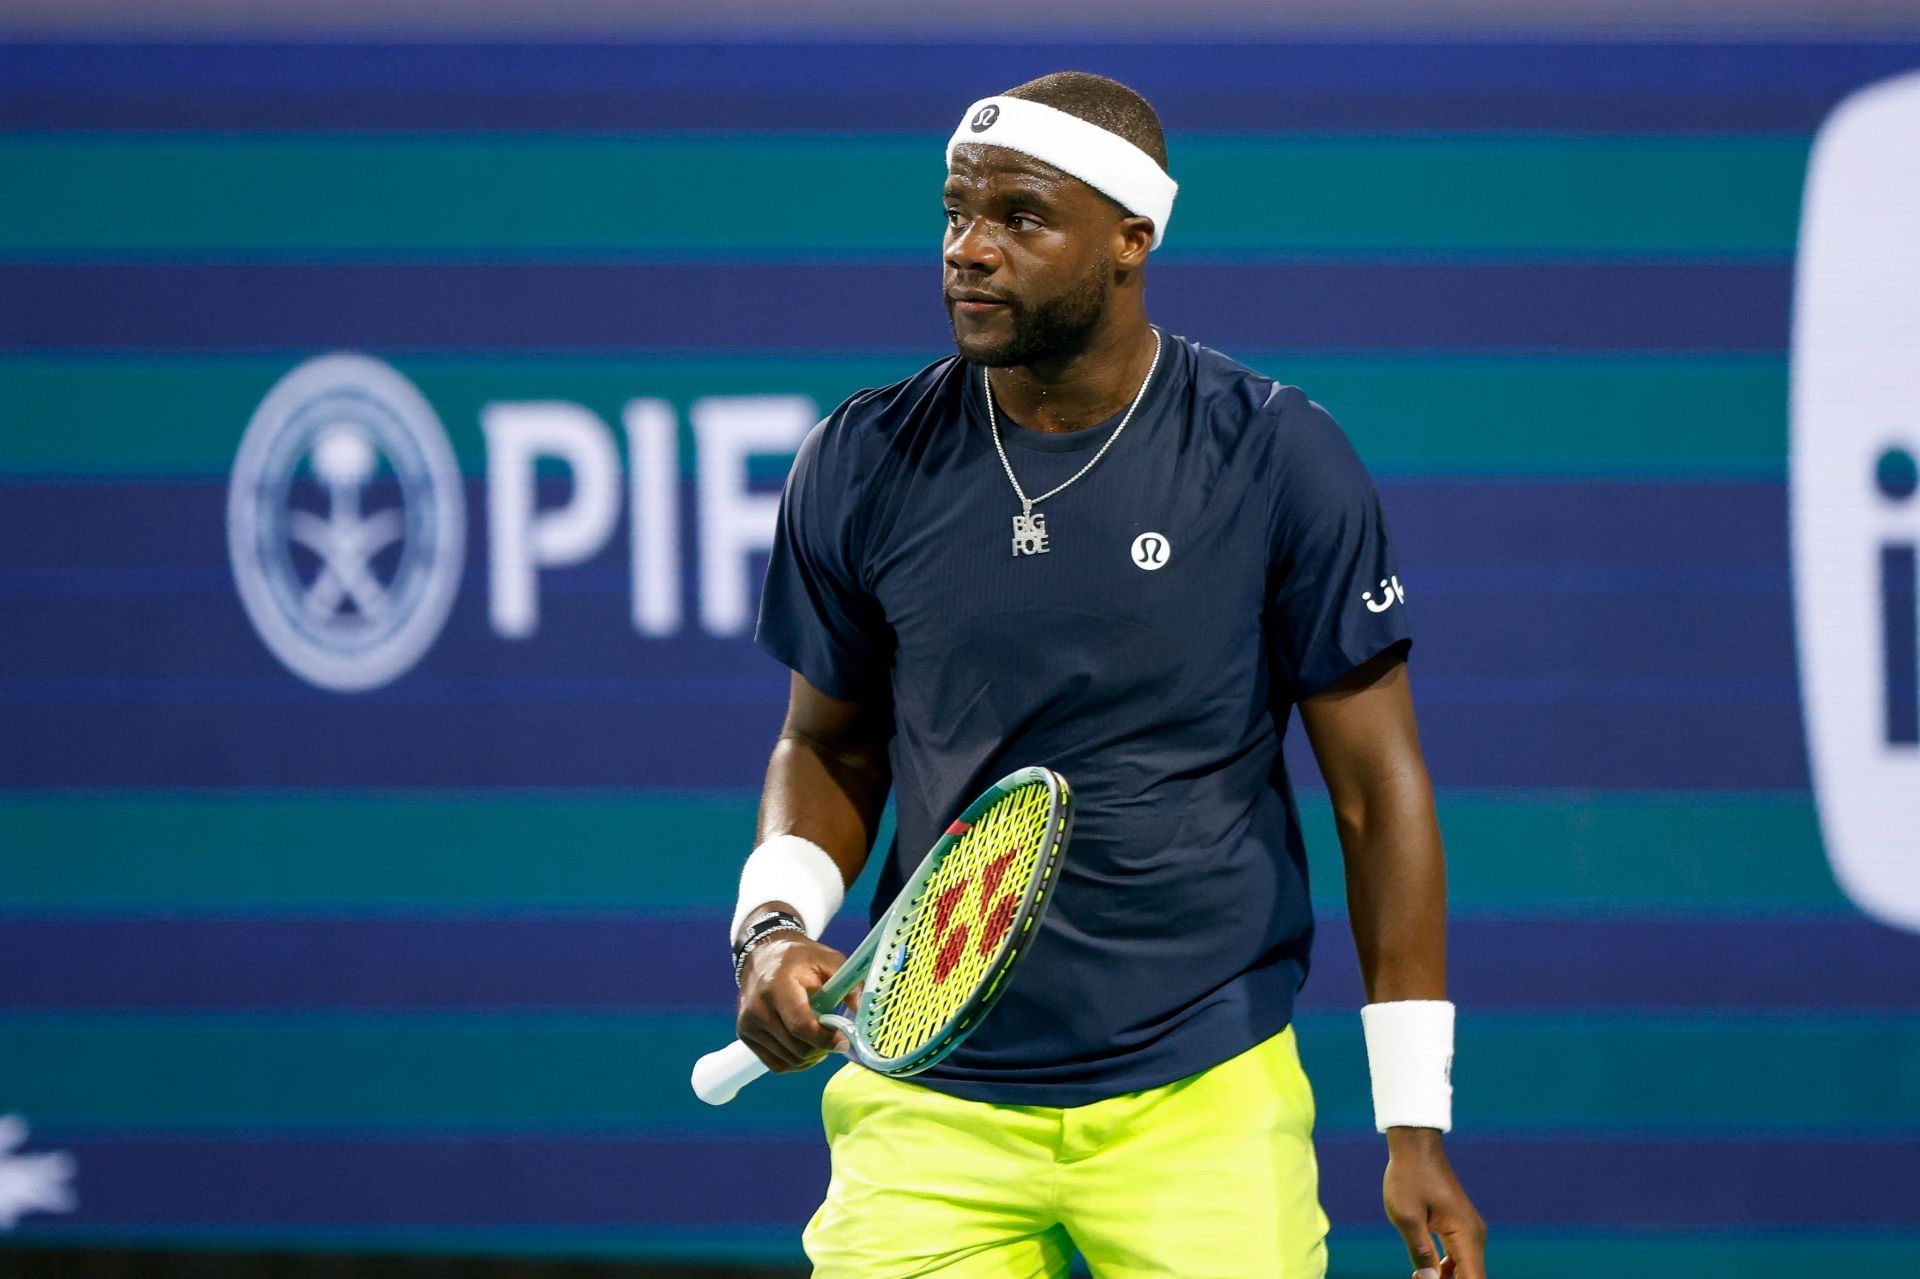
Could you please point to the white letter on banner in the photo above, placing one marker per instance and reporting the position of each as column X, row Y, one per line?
column 1854, row 497
column 653, row 488
column 734, row 522
column 523, row 539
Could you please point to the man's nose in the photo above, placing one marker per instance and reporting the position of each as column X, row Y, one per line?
column 973, row 248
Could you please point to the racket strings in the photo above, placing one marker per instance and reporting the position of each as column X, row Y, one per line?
column 951, row 947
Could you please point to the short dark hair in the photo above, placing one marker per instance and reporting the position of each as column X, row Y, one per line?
column 1098, row 100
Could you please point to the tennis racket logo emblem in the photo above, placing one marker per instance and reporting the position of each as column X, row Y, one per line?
column 994, row 917
column 1151, row 551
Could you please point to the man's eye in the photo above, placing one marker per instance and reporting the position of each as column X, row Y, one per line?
column 1023, row 222
column 954, row 220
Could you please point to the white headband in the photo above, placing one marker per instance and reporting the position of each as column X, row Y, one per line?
column 1104, row 161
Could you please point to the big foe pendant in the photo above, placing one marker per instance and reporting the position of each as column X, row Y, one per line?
column 1029, row 534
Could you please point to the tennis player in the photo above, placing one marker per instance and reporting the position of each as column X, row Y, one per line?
column 1089, row 543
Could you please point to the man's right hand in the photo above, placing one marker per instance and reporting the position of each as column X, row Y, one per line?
column 776, row 1021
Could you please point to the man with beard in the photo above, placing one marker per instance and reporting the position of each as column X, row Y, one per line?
column 1087, row 543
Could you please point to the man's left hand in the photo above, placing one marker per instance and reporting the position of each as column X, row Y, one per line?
column 1425, row 1199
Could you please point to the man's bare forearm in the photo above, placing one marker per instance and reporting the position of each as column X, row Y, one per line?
column 827, row 781
column 1363, row 734
column 826, row 784
column 1397, row 887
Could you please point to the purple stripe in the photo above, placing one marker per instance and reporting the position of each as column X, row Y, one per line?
column 821, row 85
column 1558, row 629
column 391, row 742
column 582, row 1183
column 612, row 306
column 639, row 963
column 64, row 650
column 1253, row 67
column 368, row 743
column 632, row 109
column 1809, row 966
column 1525, row 534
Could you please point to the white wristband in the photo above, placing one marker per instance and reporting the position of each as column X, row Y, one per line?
column 1410, row 1055
column 793, row 870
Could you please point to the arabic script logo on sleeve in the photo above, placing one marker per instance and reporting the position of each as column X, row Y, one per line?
column 1391, row 593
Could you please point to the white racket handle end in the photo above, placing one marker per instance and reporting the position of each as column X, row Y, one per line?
column 719, row 1076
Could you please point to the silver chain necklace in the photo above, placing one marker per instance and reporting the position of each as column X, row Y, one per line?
column 1030, row 530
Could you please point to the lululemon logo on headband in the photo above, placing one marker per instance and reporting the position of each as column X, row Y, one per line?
column 983, row 118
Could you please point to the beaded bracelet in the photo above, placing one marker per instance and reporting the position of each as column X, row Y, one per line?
column 766, row 926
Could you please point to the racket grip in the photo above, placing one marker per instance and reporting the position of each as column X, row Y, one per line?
column 719, row 1076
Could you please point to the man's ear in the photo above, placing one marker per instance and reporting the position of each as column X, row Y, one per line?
column 1133, row 239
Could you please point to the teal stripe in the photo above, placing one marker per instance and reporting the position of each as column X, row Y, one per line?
column 1524, row 852
column 1574, row 194
column 191, row 852
column 1508, row 852
column 1354, row 1253
column 1515, row 1073
column 382, row 1073
column 1694, row 1073
column 1425, row 415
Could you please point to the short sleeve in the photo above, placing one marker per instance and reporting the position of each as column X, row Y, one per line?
column 816, row 615
column 1335, row 598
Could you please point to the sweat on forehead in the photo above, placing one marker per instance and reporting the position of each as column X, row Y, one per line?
column 1066, row 144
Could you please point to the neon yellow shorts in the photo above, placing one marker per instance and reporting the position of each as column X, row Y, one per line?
column 1208, row 1177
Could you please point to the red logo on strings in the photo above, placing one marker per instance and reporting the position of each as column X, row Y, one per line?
column 995, row 917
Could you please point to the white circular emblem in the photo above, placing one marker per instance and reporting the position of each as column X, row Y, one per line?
column 1151, row 551
column 346, row 523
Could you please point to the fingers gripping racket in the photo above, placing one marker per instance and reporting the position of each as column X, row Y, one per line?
column 934, row 964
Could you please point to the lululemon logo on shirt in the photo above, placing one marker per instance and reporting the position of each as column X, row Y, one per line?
column 983, row 118
column 1151, row 551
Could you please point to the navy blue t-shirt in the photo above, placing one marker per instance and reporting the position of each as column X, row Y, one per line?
column 1224, row 560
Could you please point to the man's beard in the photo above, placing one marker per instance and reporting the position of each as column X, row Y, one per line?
column 1053, row 329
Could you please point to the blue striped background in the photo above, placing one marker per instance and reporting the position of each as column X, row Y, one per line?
column 1674, row 1079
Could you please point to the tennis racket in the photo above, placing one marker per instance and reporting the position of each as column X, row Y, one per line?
column 939, row 958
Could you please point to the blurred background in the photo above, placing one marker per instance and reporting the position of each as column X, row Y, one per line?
column 372, row 791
